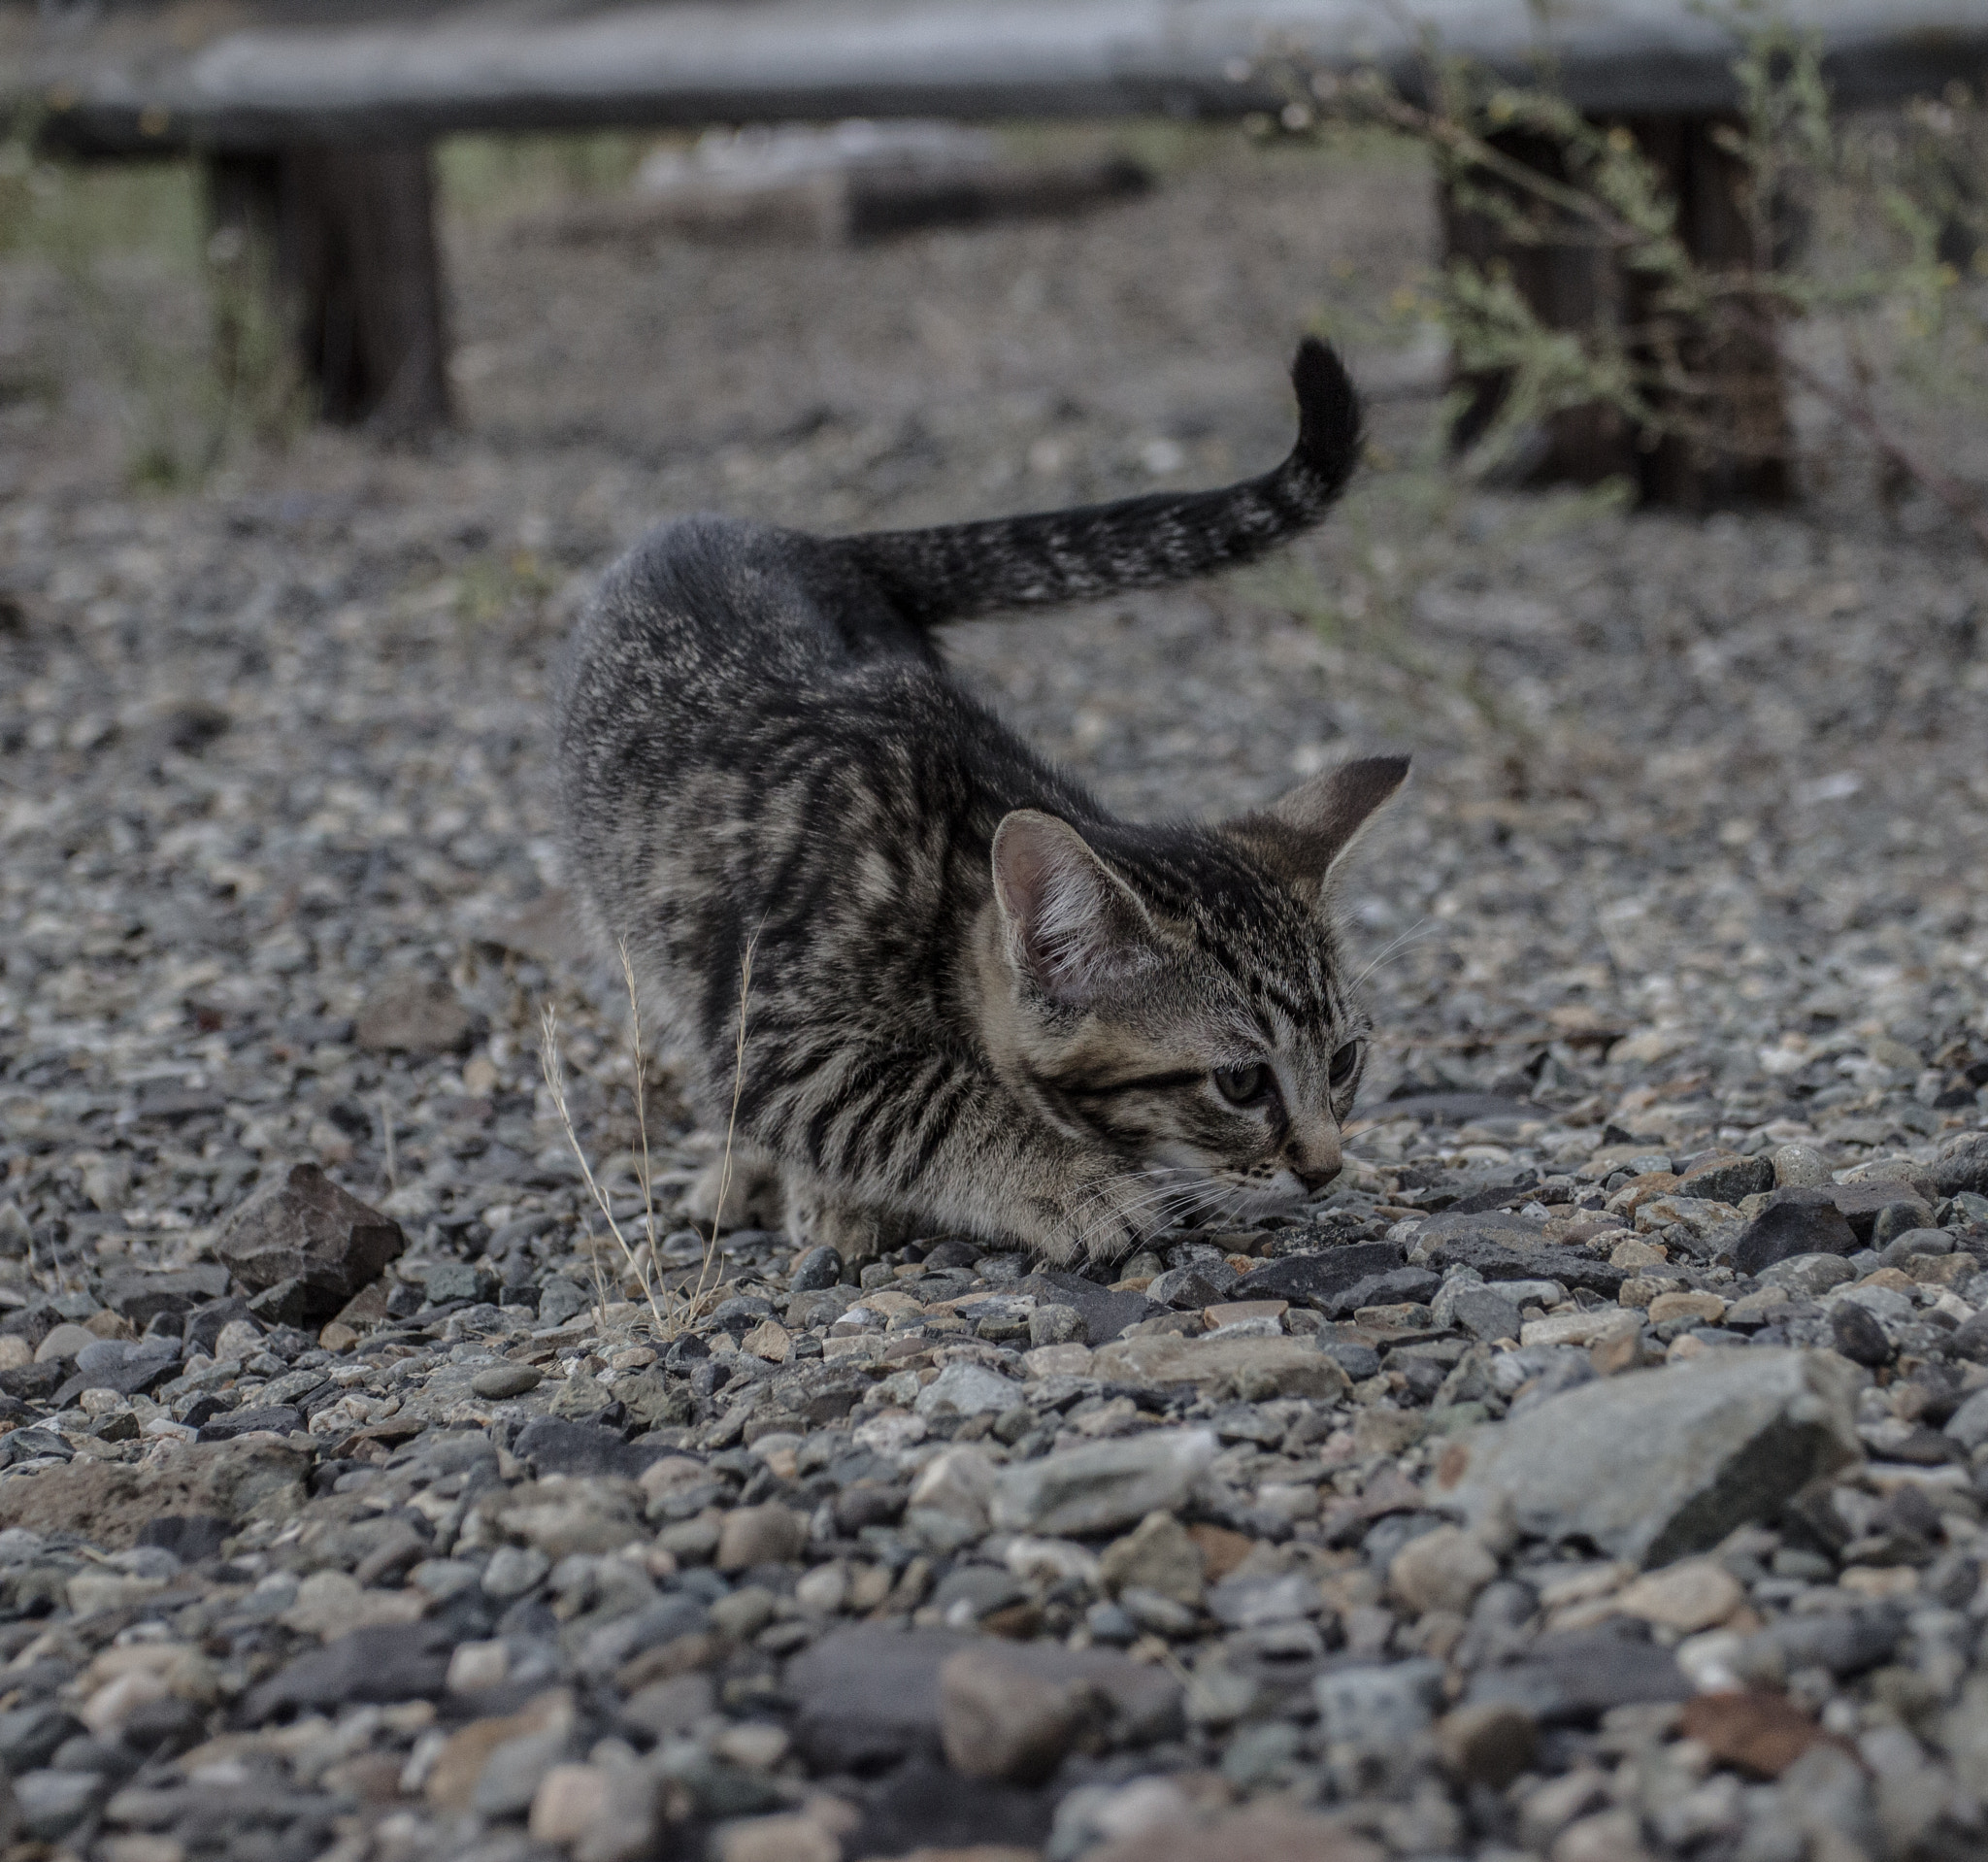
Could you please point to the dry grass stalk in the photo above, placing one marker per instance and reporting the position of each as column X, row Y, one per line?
column 555, row 1084
column 671, row 1312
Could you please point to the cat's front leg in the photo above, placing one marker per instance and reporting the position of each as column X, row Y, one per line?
column 1080, row 1210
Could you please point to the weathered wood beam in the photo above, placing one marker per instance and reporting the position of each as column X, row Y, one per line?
column 1738, row 451
column 486, row 65
column 344, row 233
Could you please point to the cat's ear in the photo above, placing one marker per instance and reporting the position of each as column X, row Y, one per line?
column 1302, row 834
column 1072, row 925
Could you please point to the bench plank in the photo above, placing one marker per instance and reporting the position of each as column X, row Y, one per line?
column 176, row 81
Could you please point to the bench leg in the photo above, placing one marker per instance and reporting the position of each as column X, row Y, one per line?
column 349, row 234
column 1571, row 286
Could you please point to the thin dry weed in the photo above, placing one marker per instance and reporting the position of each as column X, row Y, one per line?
column 670, row 1311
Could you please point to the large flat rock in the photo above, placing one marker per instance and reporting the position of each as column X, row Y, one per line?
column 1659, row 1464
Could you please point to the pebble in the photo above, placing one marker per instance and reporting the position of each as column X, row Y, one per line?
column 506, row 1381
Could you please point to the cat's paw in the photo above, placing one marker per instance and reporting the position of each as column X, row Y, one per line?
column 750, row 1194
column 856, row 1231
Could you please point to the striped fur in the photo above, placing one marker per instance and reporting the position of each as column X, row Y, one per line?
column 978, row 1002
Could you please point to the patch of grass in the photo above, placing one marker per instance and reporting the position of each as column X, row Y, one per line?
column 177, row 324
column 481, row 179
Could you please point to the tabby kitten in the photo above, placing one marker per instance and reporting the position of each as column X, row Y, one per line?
column 977, row 1003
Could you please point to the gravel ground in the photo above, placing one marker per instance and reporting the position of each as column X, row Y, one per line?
column 1597, row 1472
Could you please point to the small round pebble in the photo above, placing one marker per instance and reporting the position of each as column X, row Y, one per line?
column 502, row 1380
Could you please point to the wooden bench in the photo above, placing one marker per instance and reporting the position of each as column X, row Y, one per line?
column 315, row 116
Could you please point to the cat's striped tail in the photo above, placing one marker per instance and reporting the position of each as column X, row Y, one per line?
column 957, row 571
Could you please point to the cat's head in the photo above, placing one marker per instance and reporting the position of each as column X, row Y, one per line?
column 1178, row 998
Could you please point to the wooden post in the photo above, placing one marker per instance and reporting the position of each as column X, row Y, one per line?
column 1570, row 284
column 348, row 231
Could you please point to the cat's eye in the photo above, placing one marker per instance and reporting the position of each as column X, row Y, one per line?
column 1344, row 1064
column 1244, row 1085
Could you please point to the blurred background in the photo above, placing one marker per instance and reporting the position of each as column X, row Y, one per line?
column 341, row 348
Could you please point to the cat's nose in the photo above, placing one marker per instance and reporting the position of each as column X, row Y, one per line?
column 1314, row 1180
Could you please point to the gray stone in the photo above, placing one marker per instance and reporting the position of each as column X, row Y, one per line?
column 50, row 1804
column 1377, row 1708
column 561, row 1299
column 1057, row 1325
column 1969, row 1424
column 1578, row 1675
column 1256, row 1368
column 1654, row 1465
column 512, row 1570
column 304, row 1227
column 1105, row 1486
column 1483, row 1312
column 401, row 1663
column 503, row 1381
column 1844, row 1643
column 1808, row 1274
column 1799, row 1167
column 1399, row 1287
column 866, row 1698
column 142, row 1297
column 1486, row 1243
column 968, row 1390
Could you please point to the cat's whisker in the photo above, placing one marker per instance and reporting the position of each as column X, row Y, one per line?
column 1417, row 932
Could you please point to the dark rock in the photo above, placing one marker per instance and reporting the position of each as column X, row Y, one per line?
column 1845, row 1643
column 279, row 1419
column 1964, row 1169
column 684, row 1353
column 821, row 1268
column 1575, row 1678
column 1971, row 1339
column 1185, row 1288
column 33, row 1383
column 143, row 1297
column 1865, row 1205
column 927, row 1807
column 1796, row 1221
column 401, row 1663
column 304, row 1227
column 742, row 1313
column 290, row 1302
column 1858, row 1335
column 1104, row 1314
column 204, row 1324
column 1403, row 1285
column 866, row 1698
column 1488, row 1246
column 30, row 1735
column 1358, row 1361
column 822, row 1393
column 555, row 1446
column 1725, row 1179
column 1315, row 1279
column 130, row 1370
